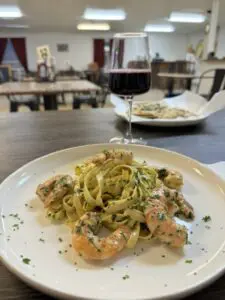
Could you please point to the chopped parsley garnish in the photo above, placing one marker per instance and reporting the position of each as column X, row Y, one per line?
column 166, row 193
column 41, row 240
column 156, row 196
column 188, row 261
column 162, row 173
column 111, row 269
column 163, row 256
column 126, row 277
column 26, row 261
column 60, row 239
column 206, row 219
column 123, row 235
column 161, row 216
column 60, row 252
column 189, row 243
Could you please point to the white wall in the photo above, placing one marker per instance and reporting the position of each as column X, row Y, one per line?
column 196, row 37
column 170, row 46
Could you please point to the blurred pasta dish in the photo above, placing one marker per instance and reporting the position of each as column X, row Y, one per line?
column 160, row 111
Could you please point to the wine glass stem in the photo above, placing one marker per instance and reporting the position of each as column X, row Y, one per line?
column 129, row 133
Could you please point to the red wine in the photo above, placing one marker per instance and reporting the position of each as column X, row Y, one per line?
column 129, row 82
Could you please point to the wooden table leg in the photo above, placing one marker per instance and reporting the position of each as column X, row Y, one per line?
column 50, row 101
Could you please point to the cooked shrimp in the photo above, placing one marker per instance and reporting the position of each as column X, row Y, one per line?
column 164, row 227
column 174, row 200
column 125, row 157
column 55, row 188
column 184, row 207
column 161, row 195
column 171, row 178
column 86, row 242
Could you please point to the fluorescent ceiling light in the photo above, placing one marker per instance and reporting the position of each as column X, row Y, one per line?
column 10, row 12
column 93, row 26
column 159, row 28
column 104, row 14
column 186, row 17
column 14, row 26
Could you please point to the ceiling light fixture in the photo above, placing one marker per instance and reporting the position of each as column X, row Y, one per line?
column 14, row 26
column 93, row 26
column 159, row 28
column 186, row 17
column 10, row 12
column 104, row 14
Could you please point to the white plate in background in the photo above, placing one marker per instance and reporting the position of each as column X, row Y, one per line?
column 188, row 100
column 154, row 270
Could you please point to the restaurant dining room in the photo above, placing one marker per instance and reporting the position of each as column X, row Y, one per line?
column 112, row 149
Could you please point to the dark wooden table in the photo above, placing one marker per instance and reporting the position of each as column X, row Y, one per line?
column 25, row 136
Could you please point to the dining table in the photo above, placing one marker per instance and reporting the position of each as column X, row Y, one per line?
column 48, row 90
column 26, row 136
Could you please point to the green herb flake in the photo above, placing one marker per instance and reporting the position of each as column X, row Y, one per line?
column 206, row 219
column 111, row 269
column 60, row 239
column 41, row 240
column 188, row 261
column 123, row 235
column 60, row 252
column 156, row 196
column 163, row 256
column 126, row 277
column 166, row 193
column 189, row 243
column 26, row 261
column 161, row 216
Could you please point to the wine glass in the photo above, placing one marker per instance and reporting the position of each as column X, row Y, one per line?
column 130, row 73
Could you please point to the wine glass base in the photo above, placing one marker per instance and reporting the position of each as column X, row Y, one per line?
column 122, row 140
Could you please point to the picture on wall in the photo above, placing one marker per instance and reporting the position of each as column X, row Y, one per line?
column 43, row 52
column 62, row 47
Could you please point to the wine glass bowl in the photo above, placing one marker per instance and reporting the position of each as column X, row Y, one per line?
column 130, row 72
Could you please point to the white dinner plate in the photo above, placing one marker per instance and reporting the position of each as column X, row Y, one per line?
column 188, row 100
column 39, row 252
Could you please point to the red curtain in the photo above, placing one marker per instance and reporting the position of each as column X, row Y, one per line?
column 3, row 42
column 19, row 45
column 99, row 56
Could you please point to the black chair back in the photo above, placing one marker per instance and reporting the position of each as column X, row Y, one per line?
column 218, row 82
